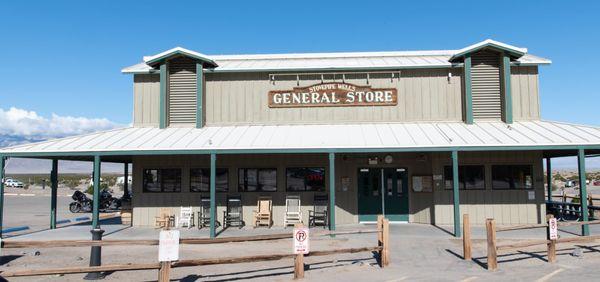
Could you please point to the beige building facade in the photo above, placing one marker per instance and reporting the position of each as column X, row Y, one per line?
column 419, row 136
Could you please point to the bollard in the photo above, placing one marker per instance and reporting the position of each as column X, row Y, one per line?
column 551, row 243
column 492, row 259
column 95, row 256
column 164, row 272
column 299, row 260
column 386, row 241
column 466, row 237
column 380, row 239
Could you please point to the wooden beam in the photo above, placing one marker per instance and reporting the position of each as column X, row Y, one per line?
column 84, row 269
column 522, row 244
column 520, row 227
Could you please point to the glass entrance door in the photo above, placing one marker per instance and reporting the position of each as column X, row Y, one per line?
column 382, row 191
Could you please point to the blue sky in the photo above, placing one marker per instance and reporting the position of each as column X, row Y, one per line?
column 65, row 57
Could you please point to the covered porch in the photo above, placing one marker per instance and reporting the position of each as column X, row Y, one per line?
column 329, row 146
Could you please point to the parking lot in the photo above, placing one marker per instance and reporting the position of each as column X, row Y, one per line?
column 418, row 253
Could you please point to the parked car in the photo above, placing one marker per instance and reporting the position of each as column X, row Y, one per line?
column 596, row 183
column 13, row 183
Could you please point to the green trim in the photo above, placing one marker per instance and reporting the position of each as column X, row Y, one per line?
column 54, row 192
column 332, row 191
column 284, row 70
column 515, row 53
column 166, row 56
column 294, row 151
column 2, row 163
column 468, row 91
column 162, row 102
column 199, row 95
column 213, row 194
column 96, row 198
column 585, row 229
column 508, row 105
column 455, row 194
column 549, row 177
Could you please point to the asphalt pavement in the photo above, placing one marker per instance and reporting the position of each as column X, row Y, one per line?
column 25, row 209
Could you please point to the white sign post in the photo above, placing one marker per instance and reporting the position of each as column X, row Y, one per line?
column 301, row 238
column 168, row 245
column 553, row 229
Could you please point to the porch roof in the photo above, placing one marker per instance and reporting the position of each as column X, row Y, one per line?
column 368, row 137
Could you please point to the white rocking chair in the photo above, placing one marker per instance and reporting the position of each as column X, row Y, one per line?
column 186, row 217
column 293, row 213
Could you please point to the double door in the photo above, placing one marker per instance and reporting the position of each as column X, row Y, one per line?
column 382, row 191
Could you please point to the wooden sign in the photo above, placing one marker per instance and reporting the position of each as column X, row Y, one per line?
column 333, row 95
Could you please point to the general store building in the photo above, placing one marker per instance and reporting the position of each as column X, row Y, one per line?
column 420, row 136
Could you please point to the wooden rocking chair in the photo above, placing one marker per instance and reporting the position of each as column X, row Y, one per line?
column 263, row 212
column 165, row 219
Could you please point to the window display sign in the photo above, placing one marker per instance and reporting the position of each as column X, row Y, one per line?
column 422, row 183
column 332, row 95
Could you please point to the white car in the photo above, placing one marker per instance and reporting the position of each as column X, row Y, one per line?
column 13, row 183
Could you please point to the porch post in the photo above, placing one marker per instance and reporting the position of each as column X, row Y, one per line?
column 126, row 182
column 54, row 192
column 213, row 206
column 585, row 229
column 455, row 194
column 2, row 163
column 96, row 198
column 332, row 191
column 549, row 177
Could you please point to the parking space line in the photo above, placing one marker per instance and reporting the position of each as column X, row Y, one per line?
column 548, row 276
column 469, row 279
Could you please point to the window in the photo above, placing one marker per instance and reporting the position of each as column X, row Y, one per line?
column 512, row 177
column 200, row 180
column 162, row 180
column 470, row 177
column 305, row 179
column 257, row 179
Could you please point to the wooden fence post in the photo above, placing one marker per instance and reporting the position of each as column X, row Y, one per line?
column 164, row 272
column 299, row 260
column 386, row 242
column 551, row 243
column 380, row 238
column 492, row 259
column 466, row 237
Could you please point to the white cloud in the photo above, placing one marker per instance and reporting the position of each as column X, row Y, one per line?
column 28, row 124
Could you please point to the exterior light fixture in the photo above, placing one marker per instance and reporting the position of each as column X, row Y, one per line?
column 388, row 159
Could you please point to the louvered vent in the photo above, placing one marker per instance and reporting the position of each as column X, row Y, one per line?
column 486, row 91
column 182, row 91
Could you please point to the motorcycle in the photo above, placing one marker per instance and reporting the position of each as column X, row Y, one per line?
column 81, row 203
